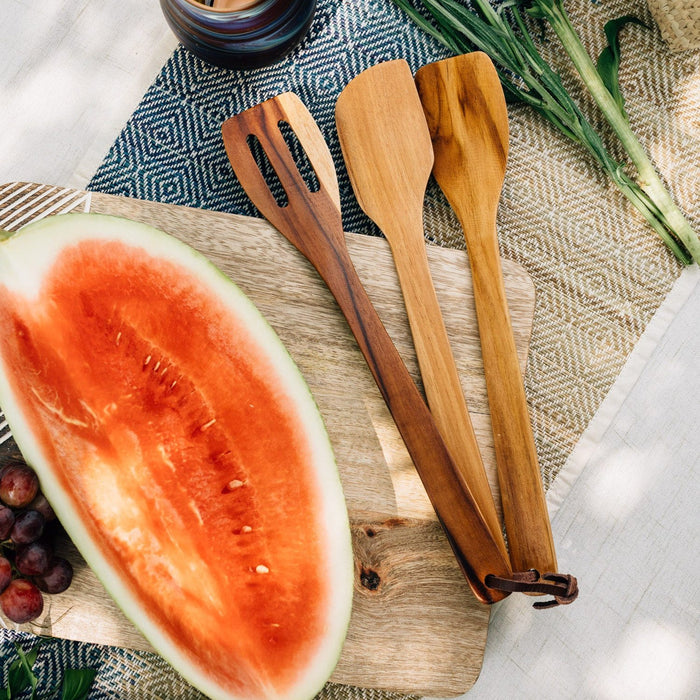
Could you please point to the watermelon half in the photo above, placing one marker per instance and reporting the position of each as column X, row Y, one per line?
column 181, row 449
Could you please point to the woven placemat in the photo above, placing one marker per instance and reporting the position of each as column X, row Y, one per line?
column 599, row 271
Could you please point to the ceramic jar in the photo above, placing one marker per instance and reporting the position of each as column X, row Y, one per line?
column 256, row 33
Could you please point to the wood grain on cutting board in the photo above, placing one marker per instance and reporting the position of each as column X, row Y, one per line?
column 416, row 627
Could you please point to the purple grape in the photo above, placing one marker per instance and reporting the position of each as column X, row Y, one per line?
column 28, row 527
column 19, row 486
column 21, row 601
column 5, row 573
column 43, row 506
column 34, row 559
column 7, row 520
column 58, row 577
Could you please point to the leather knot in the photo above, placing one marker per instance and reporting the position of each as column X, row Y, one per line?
column 568, row 586
column 562, row 587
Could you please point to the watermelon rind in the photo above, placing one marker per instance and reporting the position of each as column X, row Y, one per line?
column 25, row 258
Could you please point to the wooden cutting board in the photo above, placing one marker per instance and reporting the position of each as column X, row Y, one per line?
column 416, row 627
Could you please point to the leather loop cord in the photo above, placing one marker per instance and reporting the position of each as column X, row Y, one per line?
column 563, row 587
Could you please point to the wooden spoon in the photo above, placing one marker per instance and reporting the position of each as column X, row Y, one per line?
column 311, row 220
column 466, row 112
column 387, row 150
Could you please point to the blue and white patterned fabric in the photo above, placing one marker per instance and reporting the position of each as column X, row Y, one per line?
column 171, row 149
column 122, row 674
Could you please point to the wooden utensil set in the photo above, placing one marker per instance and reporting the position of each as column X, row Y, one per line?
column 394, row 132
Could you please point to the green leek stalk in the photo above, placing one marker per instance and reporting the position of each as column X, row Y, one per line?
column 553, row 11
column 526, row 77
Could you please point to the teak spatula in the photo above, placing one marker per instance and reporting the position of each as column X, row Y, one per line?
column 312, row 222
column 387, row 149
column 466, row 112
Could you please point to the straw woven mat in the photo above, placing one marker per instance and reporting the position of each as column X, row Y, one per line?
column 679, row 22
column 599, row 271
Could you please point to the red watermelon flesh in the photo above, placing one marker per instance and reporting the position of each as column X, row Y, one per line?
column 181, row 455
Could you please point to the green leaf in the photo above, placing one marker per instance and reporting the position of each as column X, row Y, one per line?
column 76, row 683
column 609, row 60
column 20, row 675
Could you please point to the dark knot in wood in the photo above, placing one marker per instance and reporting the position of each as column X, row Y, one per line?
column 370, row 579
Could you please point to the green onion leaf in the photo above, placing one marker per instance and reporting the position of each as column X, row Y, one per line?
column 503, row 33
column 609, row 60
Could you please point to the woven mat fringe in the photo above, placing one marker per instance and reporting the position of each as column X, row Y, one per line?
column 599, row 271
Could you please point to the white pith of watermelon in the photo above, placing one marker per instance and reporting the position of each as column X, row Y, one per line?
column 82, row 297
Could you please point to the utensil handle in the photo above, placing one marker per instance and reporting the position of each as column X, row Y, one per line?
column 522, row 494
column 475, row 547
column 441, row 381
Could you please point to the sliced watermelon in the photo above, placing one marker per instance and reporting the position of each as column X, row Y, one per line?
column 181, row 449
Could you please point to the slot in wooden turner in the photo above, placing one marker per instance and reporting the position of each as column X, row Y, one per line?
column 466, row 112
column 312, row 222
column 389, row 157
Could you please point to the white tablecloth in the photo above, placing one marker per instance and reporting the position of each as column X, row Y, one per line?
column 71, row 74
column 625, row 507
column 625, row 519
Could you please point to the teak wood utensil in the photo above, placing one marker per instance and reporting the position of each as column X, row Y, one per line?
column 387, row 149
column 466, row 112
column 312, row 222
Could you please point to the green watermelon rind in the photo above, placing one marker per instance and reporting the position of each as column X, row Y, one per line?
column 32, row 249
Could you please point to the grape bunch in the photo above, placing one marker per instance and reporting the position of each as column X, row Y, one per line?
column 28, row 565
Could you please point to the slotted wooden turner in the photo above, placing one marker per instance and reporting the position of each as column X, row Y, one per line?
column 312, row 222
